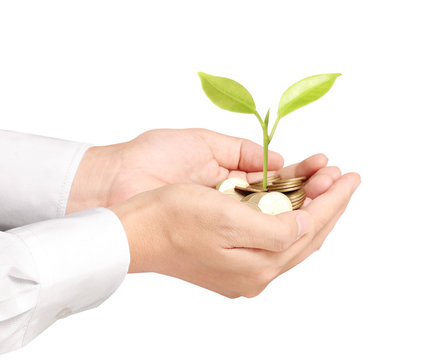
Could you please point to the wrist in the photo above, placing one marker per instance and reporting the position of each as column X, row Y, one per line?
column 143, row 227
column 94, row 178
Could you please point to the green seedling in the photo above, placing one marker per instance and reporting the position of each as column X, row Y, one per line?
column 232, row 96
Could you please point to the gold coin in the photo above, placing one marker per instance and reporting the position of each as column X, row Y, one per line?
column 297, row 197
column 292, row 183
column 297, row 179
column 296, row 194
column 298, row 203
column 250, row 189
column 248, row 197
column 230, row 183
column 297, row 206
column 270, row 202
column 284, row 183
column 253, row 206
column 269, row 179
column 299, row 191
column 234, row 194
column 283, row 188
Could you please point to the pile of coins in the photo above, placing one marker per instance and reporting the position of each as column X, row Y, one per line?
column 292, row 188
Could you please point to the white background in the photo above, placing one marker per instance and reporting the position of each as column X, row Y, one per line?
column 105, row 71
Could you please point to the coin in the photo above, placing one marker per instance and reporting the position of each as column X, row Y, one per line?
column 248, row 197
column 253, row 206
column 234, row 194
column 297, row 179
column 297, row 205
column 297, row 198
column 250, row 188
column 281, row 194
column 270, row 180
column 271, row 202
column 297, row 192
column 283, row 188
column 296, row 195
column 230, row 183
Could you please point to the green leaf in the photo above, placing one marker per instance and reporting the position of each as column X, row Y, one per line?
column 227, row 94
column 267, row 117
column 304, row 92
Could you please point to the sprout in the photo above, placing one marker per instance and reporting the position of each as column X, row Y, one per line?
column 232, row 96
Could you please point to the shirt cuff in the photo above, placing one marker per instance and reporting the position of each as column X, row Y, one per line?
column 36, row 177
column 81, row 259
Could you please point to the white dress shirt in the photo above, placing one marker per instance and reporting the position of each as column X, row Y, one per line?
column 51, row 265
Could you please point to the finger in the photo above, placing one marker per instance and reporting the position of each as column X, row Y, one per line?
column 306, row 202
column 314, row 244
column 235, row 153
column 325, row 210
column 275, row 233
column 325, row 206
column 251, row 158
column 307, row 167
column 324, row 232
column 256, row 230
column 321, row 181
column 237, row 174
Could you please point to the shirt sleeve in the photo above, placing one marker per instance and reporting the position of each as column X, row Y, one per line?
column 36, row 174
column 55, row 268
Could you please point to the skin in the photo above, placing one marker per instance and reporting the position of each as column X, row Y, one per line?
column 160, row 186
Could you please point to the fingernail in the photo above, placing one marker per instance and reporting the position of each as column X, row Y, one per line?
column 303, row 223
column 307, row 201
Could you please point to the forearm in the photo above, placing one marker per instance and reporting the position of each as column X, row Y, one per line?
column 94, row 178
column 56, row 268
column 35, row 177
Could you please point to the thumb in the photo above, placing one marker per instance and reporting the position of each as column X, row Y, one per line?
column 298, row 223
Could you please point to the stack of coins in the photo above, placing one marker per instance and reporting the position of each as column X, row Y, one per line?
column 257, row 186
column 270, row 181
column 292, row 188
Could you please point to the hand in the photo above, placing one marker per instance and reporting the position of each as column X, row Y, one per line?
column 205, row 237
column 111, row 174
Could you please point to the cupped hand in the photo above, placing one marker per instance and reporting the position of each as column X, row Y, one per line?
column 197, row 234
column 111, row 174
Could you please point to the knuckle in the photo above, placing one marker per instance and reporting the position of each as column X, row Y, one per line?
column 335, row 170
column 278, row 243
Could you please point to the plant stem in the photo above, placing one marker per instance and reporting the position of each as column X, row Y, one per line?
column 273, row 129
column 259, row 118
column 265, row 129
column 266, row 155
